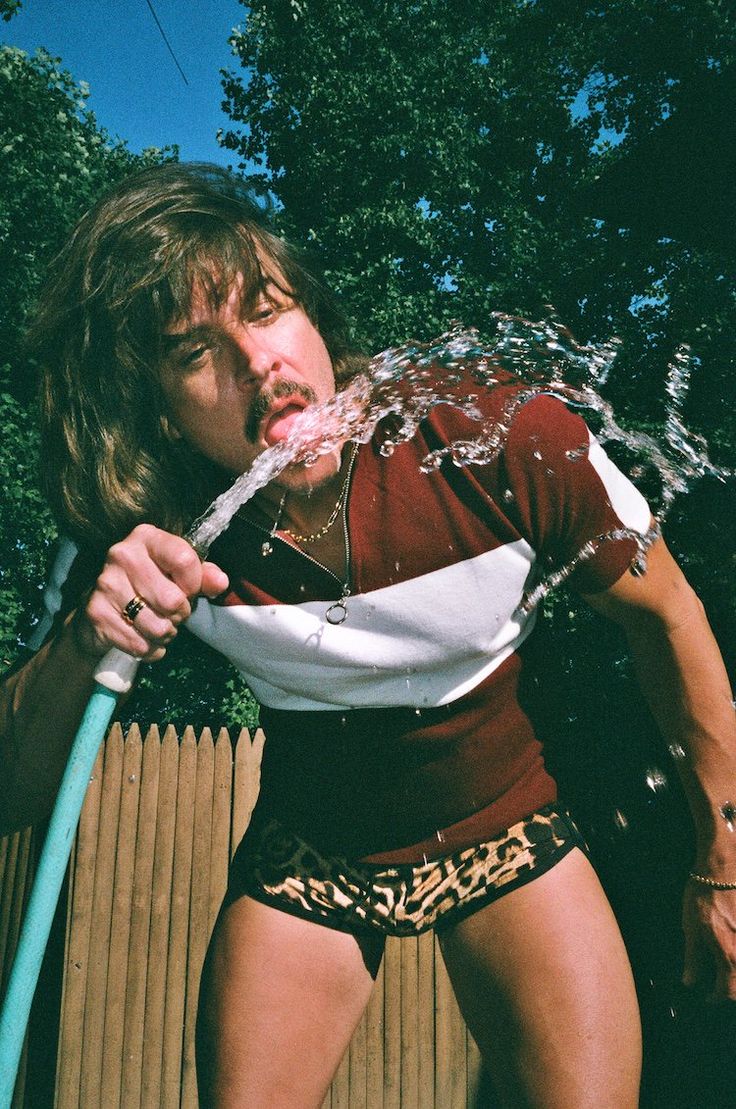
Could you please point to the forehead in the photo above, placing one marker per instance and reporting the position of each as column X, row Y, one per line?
column 204, row 260
column 217, row 297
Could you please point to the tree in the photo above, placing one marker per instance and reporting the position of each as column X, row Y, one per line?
column 55, row 161
column 440, row 163
column 9, row 8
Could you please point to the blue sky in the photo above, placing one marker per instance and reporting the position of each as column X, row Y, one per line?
column 136, row 91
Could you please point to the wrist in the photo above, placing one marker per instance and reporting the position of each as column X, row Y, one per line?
column 715, row 830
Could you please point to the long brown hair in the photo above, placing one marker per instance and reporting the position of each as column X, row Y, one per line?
column 128, row 270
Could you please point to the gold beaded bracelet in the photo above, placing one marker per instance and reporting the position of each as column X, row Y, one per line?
column 711, row 883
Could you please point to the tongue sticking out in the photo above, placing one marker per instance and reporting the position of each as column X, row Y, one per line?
column 281, row 424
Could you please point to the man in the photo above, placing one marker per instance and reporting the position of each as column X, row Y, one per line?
column 377, row 613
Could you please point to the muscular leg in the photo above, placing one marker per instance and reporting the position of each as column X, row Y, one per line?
column 280, row 1000
column 544, row 983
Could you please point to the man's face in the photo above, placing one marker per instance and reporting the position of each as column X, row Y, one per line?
column 234, row 385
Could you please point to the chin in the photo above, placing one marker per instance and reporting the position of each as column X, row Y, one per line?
column 307, row 479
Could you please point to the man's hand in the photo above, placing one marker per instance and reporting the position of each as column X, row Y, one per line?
column 165, row 573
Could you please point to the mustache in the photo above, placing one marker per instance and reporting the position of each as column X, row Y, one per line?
column 265, row 400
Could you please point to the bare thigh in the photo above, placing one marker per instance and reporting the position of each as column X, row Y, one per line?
column 544, row 983
column 280, row 1000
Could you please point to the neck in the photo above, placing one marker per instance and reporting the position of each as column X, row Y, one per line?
column 308, row 504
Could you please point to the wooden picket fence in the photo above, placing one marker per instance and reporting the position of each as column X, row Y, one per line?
column 161, row 820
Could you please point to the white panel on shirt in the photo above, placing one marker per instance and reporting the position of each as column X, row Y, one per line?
column 422, row 642
column 628, row 503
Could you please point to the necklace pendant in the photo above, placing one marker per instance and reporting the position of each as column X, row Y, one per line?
column 337, row 612
column 266, row 548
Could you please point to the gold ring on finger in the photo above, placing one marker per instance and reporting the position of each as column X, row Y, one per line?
column 134, row 606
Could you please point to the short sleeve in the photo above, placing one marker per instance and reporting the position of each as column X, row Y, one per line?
column 564, row 492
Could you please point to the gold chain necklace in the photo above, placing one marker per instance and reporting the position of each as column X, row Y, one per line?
column 267, row 547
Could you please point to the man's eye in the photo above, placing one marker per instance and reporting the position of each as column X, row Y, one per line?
column 195, row 355
column 264, row 313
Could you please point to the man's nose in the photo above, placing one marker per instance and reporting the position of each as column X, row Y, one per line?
column 254, row 357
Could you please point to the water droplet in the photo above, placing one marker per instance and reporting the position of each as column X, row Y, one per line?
column 537, row 454
column 417, row 712
column 620, row 821
column 508, row 495
column 131, row 777
column 440, row 836
column 676, row 750
column 728, row 812
column 577, row 453
column 656, row 779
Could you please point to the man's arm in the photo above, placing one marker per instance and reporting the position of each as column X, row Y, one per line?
column 41, row 706
column 685, row 683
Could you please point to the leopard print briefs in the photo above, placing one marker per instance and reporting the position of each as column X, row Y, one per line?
column 284, row 871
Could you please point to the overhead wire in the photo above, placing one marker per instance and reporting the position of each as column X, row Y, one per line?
column 168, row 44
